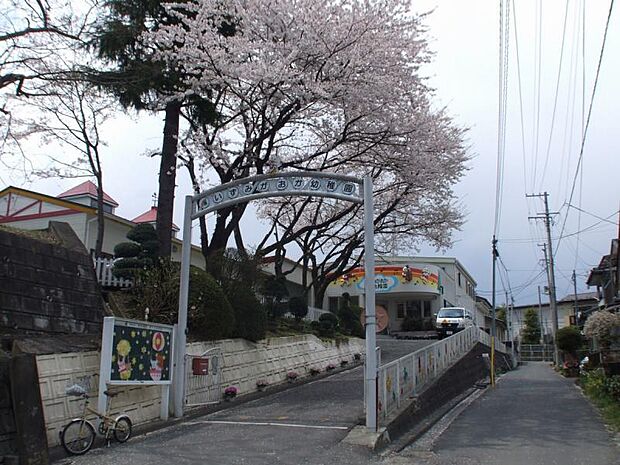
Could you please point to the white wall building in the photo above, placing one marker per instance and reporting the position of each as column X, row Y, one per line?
column 410, row 288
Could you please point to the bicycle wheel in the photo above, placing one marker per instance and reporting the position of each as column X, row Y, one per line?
column 77, row 437
column 122, row 429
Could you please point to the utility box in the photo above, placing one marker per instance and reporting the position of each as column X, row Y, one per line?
column 200, row 366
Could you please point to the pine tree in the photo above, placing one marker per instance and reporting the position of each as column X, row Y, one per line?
column 531, row 329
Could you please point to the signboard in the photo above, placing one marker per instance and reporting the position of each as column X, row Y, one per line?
column 274, row 185
column 139, row 353
column 392, row 279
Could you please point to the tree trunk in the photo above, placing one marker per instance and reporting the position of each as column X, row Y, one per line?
column 100, row 217
column 167, row 178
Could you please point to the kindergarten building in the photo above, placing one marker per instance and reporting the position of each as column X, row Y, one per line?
column 410, row 287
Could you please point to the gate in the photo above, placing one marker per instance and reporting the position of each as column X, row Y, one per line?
column 203, row 377
column 536, row 352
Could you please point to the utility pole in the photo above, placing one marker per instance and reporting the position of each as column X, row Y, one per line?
column 542, row 327
column 546, row 217
column 574, row 278
column 493, row 332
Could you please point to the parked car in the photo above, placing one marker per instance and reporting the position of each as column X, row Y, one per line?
column 451, row 320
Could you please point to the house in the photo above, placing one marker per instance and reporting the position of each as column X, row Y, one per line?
column 409, row 287
column 567, row 308
column 484, row 319
column 606, row 278
column 25, row 209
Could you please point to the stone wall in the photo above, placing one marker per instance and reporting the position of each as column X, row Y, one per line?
column 7, row 422
column 47, row 287
column 244, row 363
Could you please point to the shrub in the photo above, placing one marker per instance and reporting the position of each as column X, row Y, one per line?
column 328, row 325
column 569, row 339
column 210, row 315
column 250, row 315
column 138, row 255
column 411, row 324
column 600, row 325
column 298, row 307
column 612, row 386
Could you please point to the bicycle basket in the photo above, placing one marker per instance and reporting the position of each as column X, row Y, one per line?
column 75, row 390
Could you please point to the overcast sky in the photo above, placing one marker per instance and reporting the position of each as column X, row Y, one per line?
column 465, row 37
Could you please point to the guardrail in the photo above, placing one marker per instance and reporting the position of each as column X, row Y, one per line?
column 402, row 378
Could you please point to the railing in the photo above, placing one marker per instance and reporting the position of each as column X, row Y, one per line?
column 103, row 270
column 405, row 377
column 313, row 314
column 536, row 352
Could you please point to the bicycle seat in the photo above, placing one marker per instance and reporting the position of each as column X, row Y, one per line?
column 111, row 394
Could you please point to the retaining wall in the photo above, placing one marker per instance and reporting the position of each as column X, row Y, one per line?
column 244, row 363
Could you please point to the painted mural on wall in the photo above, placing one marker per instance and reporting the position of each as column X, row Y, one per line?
column 392, row 279
column 140, row 353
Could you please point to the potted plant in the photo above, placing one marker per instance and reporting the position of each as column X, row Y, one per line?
column 261, row 384
column 291, row 376
column 330, row 367
column 230, row 393
column 314, row 371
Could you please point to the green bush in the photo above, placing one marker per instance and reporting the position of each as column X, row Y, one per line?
column 142, row 233
column 250, row 315
column 612, row 386
column 411, row 324
column 298, row 307
column 569, row 339
column 127, row 249
column 138, row 255
column 328, row 325
column 210, row 315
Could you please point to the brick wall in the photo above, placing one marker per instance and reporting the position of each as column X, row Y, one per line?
column 47, row 287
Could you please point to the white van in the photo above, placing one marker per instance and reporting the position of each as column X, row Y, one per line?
column 451, row 320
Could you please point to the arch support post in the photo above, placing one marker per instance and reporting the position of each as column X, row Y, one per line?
column 181, row 335
column 369, row 307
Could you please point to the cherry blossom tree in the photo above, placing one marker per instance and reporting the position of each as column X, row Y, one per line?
column 326, row 86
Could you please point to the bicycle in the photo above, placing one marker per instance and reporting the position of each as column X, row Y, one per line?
column 78, row 436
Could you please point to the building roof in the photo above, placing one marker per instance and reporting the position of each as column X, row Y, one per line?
column 150, row 216
column 87, row 188
column 580, row 297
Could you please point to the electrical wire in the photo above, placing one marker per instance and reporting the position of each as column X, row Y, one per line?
column 587, row 125
column 555, row 100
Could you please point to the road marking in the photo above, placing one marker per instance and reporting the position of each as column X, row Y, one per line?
column 258, row 423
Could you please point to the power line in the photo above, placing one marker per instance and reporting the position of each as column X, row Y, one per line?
column 596, row 216
column 585, row 131
column 555, row 100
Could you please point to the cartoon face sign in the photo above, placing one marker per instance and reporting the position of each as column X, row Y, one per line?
column 123, row 348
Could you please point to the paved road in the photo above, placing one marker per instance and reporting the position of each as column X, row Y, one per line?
column 302, row 425
column 533, row 416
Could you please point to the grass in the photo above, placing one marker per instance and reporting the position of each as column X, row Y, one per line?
column 593, row 385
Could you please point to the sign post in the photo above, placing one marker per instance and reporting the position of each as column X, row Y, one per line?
column 294, row 183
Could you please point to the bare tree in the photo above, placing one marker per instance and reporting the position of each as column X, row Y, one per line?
column 69, row 117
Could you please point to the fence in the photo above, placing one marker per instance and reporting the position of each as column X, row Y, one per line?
column 103, row 270
column 536, row 352
column 313, row 314
column 405, row 377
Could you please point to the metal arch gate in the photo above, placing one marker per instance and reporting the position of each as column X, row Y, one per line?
column 204, row 389
column 297, row 183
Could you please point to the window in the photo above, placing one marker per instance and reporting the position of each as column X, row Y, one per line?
column 333, row 304
column 427, row 308
column 414, row 309
column 400, row 310
column 459, row 279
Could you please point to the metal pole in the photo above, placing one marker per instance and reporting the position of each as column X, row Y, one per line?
column 181, row 335
column 371, row 324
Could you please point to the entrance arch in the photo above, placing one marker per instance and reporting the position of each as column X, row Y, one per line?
column 296, row 183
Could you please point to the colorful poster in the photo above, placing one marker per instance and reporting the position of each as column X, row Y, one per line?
column 141, row 353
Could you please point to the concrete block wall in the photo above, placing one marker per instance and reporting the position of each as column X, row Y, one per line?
column 271, row 359
column 244, row 363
